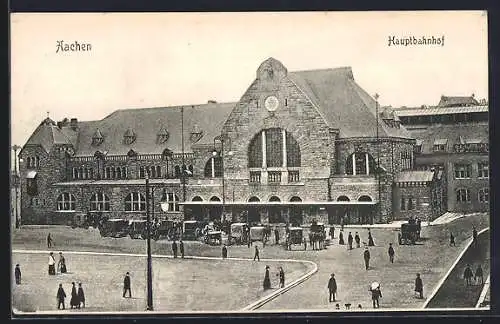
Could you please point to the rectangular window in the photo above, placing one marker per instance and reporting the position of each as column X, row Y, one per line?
column 293, row 176
column 484, row 195
column 141, row 172
column 463, row 195
column 483, row 170
column 462, row 171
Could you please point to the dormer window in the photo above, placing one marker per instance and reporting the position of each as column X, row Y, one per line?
column 440, row 145
column 129, row 137
column 97, row 138
column 162, row 136
column 196, row 133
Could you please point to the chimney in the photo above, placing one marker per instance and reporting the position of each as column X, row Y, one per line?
column 74, row 124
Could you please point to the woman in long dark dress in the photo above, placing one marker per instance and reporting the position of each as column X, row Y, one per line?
column 267, row 280
column 370, row 239
column 74, row 302
column 341, row 238
column 62, row 263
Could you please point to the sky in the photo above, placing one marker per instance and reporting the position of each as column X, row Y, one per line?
column 163, row 59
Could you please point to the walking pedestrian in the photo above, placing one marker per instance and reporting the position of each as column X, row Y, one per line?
column 468, row 275
column 61, row 295
column 81, row 296
column 332, row 288
column 74, row 302
column 419, row 286
column 256, row 255
column 267, row 280
column 276, row 236
column 332, row 232
column 370, row 239
column 479, row 275
column 452, row 239
column 366, row 256
column 391, row 253
column 17, row 274
column 305, row 243
column 224, row 251
column 376, row 294
column 357, row 239
column 474, row 235
column 52, row 264
column 282, row 277
column 126, row 286
column 349, row 240
column 181, row 248
column 61, row 265
column 174, row 249
column 341, row 238
column 49, row 241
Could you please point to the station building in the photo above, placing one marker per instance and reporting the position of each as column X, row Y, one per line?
column 297, row 146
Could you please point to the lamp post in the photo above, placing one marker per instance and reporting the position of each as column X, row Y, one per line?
column 149, row 265
column 379, row 173
column 16, row 185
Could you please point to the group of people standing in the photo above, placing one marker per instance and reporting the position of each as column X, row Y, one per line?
column 77, row 296
column 61, row 264
column 267, row 278
column 351, row 239
column 180, row 249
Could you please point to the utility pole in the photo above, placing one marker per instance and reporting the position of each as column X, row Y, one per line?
column 16, row 186
column 149, row 265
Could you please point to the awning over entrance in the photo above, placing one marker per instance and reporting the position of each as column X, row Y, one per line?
column 277, row 203
column 31, row 174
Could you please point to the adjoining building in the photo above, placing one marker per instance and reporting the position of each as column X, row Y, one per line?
column 453, row 138
column 297, row 146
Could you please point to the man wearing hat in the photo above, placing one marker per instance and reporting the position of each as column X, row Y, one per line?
column 419, row 286
column 126, row 286
column 390, row 251
column 332, row 288
column 468, row 275
column 366, row 256
column 17, row 274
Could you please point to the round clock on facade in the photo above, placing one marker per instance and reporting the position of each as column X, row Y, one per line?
column 271, row 103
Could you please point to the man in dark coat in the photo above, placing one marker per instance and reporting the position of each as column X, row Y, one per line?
column 357, row 239
column 452, row 239
column 49, row 241
column 224, row 251
column 468, row 275
column 81, row 296
column 474, row 235
column 479, row 275
column 74, row 302
column 376, row 295
column 419, row 286
column 256, row 255
column 282, row 277
column 391, row 253
column 17, row 274
column 181, row 248
column 366, row 256
column 60, row 297
column 370, row 239
column 126, row 286
column 174, row 249
column 349, row 240
column 276, row 236
column 341, row 238
column 332, row 288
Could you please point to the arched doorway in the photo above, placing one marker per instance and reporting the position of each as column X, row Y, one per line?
column 197, row 210
column 343, row 212
column 253, row 211
column 296, row 217
column 275, row 211
column 215, row 211
column 365, row 211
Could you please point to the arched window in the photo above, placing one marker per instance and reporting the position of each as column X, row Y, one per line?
column 274, row 142
column 213, row 167
column 343, row 198
column 365, row 198
column 295, row 198
column 99, row 202
column 135, row 202
column 463, row 195
column 360, row 163
column 274, row 198
column 215, row 198
column 66, row 201
column 484, row 195
column 197, row 198
column 254, row 199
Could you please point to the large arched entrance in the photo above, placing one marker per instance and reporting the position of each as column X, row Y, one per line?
column 343, row 212
column 275, row 211
column 215, row 211
column 197, row 210
column 296, row 217
column 365, row 211
column 253, row 211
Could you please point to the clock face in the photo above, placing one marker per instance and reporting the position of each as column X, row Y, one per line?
column 271, row 103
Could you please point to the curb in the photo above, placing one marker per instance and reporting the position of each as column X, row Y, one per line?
column 443, row 279
column 482, row 297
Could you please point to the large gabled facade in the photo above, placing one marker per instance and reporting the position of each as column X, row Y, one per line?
column 297, row 146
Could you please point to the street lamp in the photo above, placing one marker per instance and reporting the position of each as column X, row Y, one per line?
column 16, row 185
column 149, row 263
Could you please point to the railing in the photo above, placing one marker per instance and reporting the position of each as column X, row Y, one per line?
column 274, row 177
column 293, row 176
column 254, row 176
column 471, row 148
column 140, row 157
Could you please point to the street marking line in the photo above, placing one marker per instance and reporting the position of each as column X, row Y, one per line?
column 255, row 305
column 486, row 287
column 443, row 279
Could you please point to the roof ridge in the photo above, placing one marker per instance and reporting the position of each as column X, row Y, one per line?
column 348, row 68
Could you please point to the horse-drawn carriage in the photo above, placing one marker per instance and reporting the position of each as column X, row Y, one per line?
column 137, row 228
column 409, row 234
column 294, row 236
column 213, row 238
column 163, row 228
column 117, row 227
column 238, row 233
column 190, row 230
column 258, row 233
column 317, row 235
